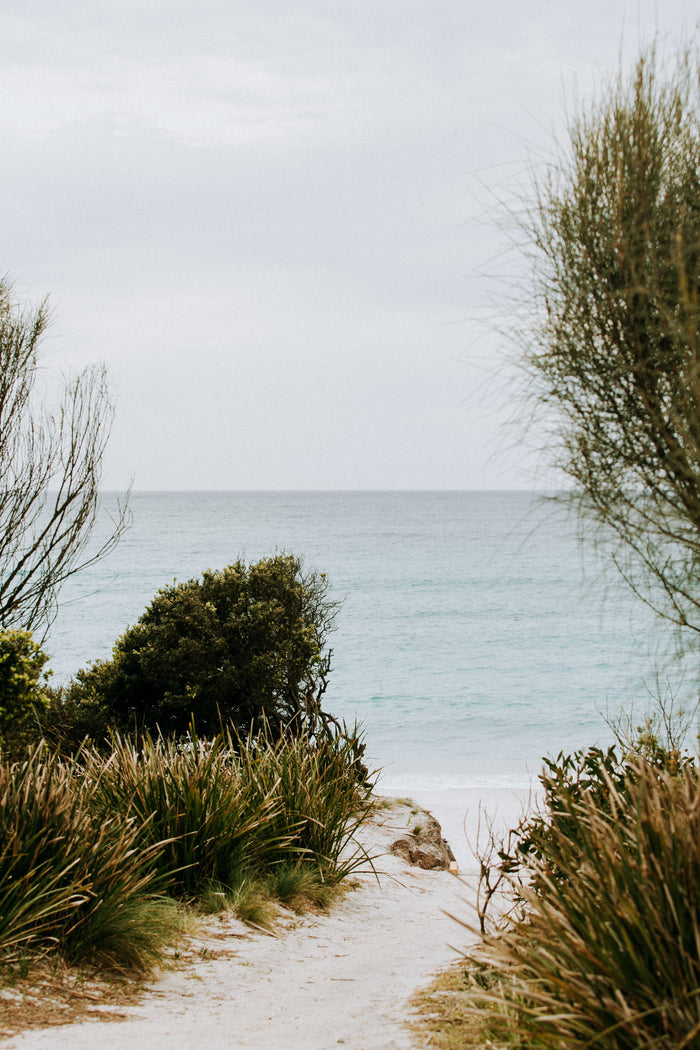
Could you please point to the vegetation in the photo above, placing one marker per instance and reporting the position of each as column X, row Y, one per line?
column 222, row 810
column 241, row 647
column 106, row 835
column 23, row 681
column 594, row 777
column 116, row 818
column 600, row 943
column 97, row 849
column 613, row 355
column 608, row 951
column 50, row 467
column 70, row 880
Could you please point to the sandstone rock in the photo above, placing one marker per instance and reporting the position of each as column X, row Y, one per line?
column 425, row 846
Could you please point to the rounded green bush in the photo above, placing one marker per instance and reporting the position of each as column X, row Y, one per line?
column 237, row 647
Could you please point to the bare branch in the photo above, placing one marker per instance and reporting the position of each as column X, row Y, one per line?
column 50, row 470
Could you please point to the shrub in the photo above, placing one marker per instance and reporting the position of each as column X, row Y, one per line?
column 23, row 682
column 610, row 350
column 609, row 954
column 71, row 718
column 236, row 647
column 595, row 776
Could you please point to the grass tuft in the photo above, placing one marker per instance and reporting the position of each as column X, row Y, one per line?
column 94, row 850
column 606, row 951
column 68, row 879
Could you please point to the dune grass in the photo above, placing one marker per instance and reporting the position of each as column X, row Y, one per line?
column 100, row 852
column 189, row 797
column 71, row 881
column 606, row 952
column 319, row 804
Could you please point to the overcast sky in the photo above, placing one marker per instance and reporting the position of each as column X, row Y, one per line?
column 274, row 220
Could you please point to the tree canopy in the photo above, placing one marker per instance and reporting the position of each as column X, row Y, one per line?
column 613, row 356
column 238, row 647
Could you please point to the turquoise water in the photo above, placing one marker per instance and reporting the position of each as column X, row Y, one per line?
column 473, row 639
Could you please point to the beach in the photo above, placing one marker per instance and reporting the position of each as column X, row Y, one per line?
column 343, row 978
column 463, row 813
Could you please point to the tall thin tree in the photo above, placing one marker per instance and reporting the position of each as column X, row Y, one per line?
column 50, row 470
column 613, row 356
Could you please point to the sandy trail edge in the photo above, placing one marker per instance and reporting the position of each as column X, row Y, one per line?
column 338, row 979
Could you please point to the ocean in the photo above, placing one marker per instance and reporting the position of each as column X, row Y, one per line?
column 476, row 634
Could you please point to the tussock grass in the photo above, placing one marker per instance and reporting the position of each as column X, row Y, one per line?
column 320, row 805
column 607, row 951
column 95, row 850
column 70, row 880
column 444, row 1012
column 249, row 899
column 303, row 888
column 191, row 798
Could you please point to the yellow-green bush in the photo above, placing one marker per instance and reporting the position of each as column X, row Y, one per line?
column 23, row 681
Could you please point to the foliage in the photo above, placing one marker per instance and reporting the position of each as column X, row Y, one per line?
column 321, row 799
column 225, row 814
column 22, row 686
column 190, row 797
column 71, row 880
column 70, row 719
column 609, row 954
column 595, row 777
column 597, row 941
column 613, row 357
column 236, row 647
column 89, row 847
column 50, row 466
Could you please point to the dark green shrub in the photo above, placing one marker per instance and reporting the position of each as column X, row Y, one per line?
column 236, row 647
column 71, row 718
column 23, row 695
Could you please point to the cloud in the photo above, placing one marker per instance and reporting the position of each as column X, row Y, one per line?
column 286, row 199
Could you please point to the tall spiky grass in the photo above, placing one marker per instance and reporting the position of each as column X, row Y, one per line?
column 319, row 802
column 90, row 846
column 191, row 797
column 225, row 810
column 610, row 954
column 71, row 881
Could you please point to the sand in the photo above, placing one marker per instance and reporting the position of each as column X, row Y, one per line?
column 338, row 979
column 458, row 810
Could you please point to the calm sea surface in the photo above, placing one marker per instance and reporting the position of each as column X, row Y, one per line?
column 473, row 639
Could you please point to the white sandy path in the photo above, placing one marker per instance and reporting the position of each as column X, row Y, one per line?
column 342, row 979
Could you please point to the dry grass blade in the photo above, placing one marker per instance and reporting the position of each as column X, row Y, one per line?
column 609, row 955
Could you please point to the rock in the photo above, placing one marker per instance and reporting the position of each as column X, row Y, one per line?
column 425, row 847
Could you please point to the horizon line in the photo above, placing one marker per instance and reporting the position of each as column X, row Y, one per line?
column 326, row 491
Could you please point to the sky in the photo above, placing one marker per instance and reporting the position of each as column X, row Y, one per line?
column 284, row 226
